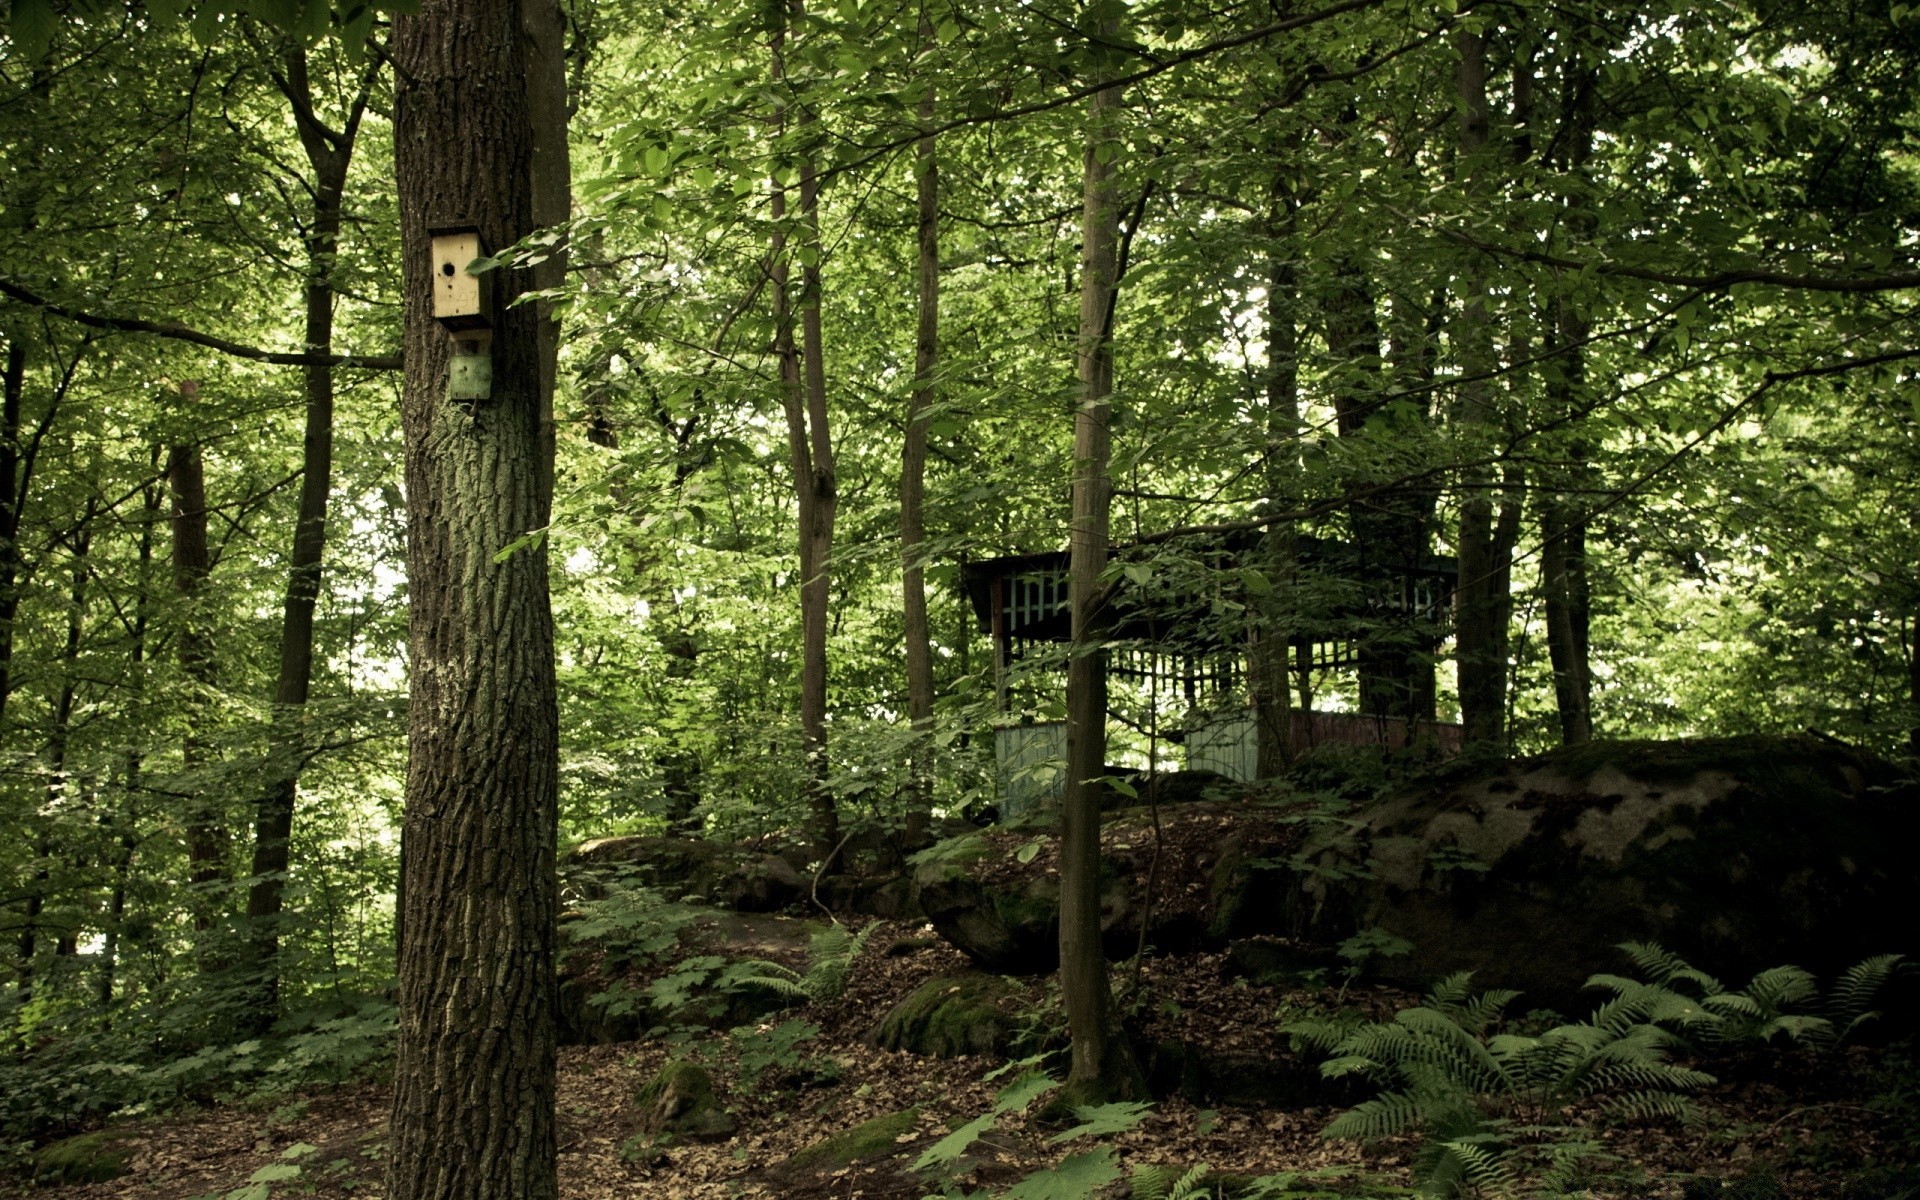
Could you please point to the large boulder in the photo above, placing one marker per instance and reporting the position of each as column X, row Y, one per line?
column 727, row 876
column 948, row 1017
column 679, row 1102
column 1196, row 874
column 88, row 1158
column 1736, row 853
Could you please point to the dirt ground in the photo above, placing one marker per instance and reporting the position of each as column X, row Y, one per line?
column 1806, row 1126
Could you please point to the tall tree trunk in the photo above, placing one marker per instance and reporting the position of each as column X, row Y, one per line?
column 1480, row 632
column 126, row 822
column 192, row 563
column 913, row 468
column 329, row 154
column 480, row 137
column 15, row 380
column 1563, row 524
column 1273, row 749
column 58, row 737
column 1103, row 1065
column 810, row 449
column 1913, row 682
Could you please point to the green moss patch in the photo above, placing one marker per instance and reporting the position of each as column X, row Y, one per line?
column 869, row 1139
column 89, row 1158
column 948, row 1017
column 679, row 1100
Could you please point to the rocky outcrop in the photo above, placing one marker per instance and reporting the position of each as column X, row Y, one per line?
column 726, row 876
column 1736, row 853
column 679, row 1102
column 89, row 1158
column 1196, row 874
column 947, row 1017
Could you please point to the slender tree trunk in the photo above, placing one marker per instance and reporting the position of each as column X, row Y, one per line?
column 1103, row 1065
column 1273, row 749
column 1479, row 628
column 913, row 469
column 15, row 379
column 1913, row 682
column 58, row 737
column 126, row 823
column 329, row 154
column 205, row 828
column 480, row 137
column 1563, row 526
column 810, row 448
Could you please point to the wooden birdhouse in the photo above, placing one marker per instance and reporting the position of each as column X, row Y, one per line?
column 461, row 299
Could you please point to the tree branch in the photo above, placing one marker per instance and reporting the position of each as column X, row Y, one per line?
column 180, row 333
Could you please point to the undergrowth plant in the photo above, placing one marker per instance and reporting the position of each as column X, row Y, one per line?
column 1497, row 1110
column 1503, row 1114
column 1086, row 1174
column 1779, row 1003
column 830, row 956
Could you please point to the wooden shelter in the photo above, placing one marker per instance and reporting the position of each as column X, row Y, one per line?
column 1186, row 622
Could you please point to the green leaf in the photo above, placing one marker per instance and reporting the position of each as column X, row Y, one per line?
column 1099, row 1120
column 1078, row 1177
column 33, row 24
column 1023, row 1091
column 531, row 540
column 275, row 1173
column 1028, row 852
column 952, row 1146
column 299, row 1150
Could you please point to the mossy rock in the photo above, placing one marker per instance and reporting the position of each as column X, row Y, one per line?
column 88, row 1158
column 869, row 1139
column 1735, row 853
column 679, row 1100
column 948, row 1017
column 727, row 876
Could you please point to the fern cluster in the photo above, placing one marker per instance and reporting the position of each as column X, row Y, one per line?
column 1496, row 1109
column 1499, row 1111
column 1780, row 1002
column 830, row 956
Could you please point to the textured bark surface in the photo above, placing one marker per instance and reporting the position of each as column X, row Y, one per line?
column 1102, row 1064
column 13, row 386
column 479, row 137
column 1273, row 739
column 205, row 828
column 1480, row 608
column 803, row 376
column 913, row 464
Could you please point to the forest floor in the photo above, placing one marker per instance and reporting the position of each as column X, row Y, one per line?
column 1787, row 1127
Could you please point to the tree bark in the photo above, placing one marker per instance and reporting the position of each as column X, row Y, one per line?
column 58, row 737
column 810, row 450
column 15, row 380
column 1102, row 1062
column 1273, row 741
column 1563, row 526
column 126, row 823
column 206, row 831
column 480, row 137
column 1480, row 632
column 913, row 469
column 329, row 154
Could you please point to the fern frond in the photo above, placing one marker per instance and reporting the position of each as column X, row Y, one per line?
column 1775, row 988
column 1371, row 1120
column 1664, row 967
column 1854, row 992
column 1649, row 1105
column 1483, row 1166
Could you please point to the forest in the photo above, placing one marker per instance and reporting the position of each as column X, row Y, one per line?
column 1020, row 600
